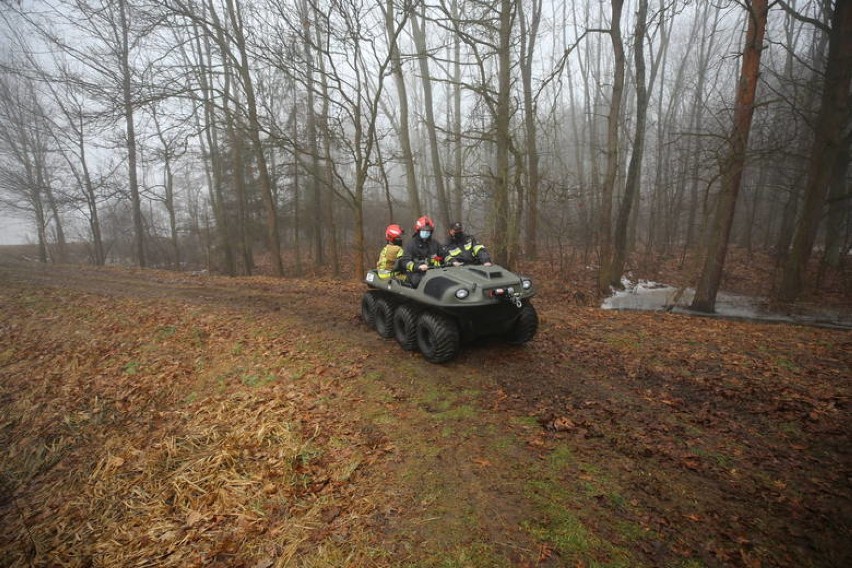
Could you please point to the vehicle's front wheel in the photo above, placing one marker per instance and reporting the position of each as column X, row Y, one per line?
column 384, row 317
column 405, row 326
column 525, row 326
column 437, row 337
column 368, row 309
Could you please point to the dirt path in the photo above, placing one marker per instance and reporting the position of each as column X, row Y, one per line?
column 616, row 439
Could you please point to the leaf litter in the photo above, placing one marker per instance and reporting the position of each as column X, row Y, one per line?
column 155, row 418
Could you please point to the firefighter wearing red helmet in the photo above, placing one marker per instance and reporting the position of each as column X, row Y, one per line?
column 421, row 252
column 391, row 253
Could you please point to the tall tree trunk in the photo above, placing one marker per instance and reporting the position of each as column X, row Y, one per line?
column 528, row 47
column 326, row 215
column 238, row 172
column 839, row 209
column 634, row 170
column 296, row 169
column 828, row 140
column 168, row 185
column 315, row 189
column 237, row 163
column 501, row 178
column 717, row 249
column 99, row 253
column 127, row 100
column 402, row 96
column 61, row 247
column 419, row 33
column 458, row 146
column 607, row 191
column 209, row 141
column 705, row 48
column 267, row 193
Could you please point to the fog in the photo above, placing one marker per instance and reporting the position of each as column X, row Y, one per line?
column 13, row 231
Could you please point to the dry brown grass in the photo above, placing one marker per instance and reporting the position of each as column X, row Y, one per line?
column 170, row 440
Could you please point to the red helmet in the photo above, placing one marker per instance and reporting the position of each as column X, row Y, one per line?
column 393, row 232
column 424, row 222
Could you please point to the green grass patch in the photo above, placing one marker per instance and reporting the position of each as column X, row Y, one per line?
column 720, row 459
column 562, row 490
column 467, row 556
column 165, row 332
column 257, row 379
column 7, row 356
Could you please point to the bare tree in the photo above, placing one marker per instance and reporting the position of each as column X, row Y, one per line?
column 25, row 171
column 109, row 59
column 200, row 63
column 254, row 131
column 634, row 170
column 171, row 148
column 74, row 130
column 607, row 190
column 350, row 85
column 732, row 168
column 828, row 142
column 500, row 238
column 529, row 37
column 458, row 144
column 402, row 96
column 418, row 26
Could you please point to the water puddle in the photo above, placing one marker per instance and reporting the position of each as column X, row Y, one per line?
column 652, row 296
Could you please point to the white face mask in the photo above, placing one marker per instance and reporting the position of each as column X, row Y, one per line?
column 425, row 234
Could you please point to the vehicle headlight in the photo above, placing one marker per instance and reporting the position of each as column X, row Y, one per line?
column 526, row 284
column 462, row 293
column 370, row 277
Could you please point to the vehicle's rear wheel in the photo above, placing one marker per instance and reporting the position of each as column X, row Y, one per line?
column 525, row 326
column 405, row 326
column 437, row 337
column 383, row 312
column 368, row 309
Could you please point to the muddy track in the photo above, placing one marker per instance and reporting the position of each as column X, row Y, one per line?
column 727, row 441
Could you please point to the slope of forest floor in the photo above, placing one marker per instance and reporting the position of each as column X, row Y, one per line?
column 153, row 418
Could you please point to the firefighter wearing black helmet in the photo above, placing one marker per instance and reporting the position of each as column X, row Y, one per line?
column 463, row 248
column 421, row 252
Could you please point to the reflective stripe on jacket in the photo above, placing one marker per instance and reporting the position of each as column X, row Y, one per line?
column 469, row 251
column 386, row 264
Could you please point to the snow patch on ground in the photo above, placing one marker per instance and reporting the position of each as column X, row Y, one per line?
column 645, row 295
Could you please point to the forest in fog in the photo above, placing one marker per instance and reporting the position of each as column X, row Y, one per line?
column 209, row 133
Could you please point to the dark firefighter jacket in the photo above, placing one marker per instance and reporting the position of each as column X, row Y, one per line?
column 464, row 248
column 417, row 252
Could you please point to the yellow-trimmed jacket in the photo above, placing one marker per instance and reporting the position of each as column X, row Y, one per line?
column 468, row 252
column 386, row 265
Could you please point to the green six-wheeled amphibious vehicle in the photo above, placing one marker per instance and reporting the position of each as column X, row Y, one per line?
column 450, row 306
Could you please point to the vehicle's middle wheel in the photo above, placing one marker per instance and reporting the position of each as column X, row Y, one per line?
column 384, row 317
column 437, row 337
column 405, row 326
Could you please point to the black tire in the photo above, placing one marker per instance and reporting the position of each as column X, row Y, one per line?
column 405, row 326
column 368, row 309
column 437, row 337
column 383, row 313
column 525, row 326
